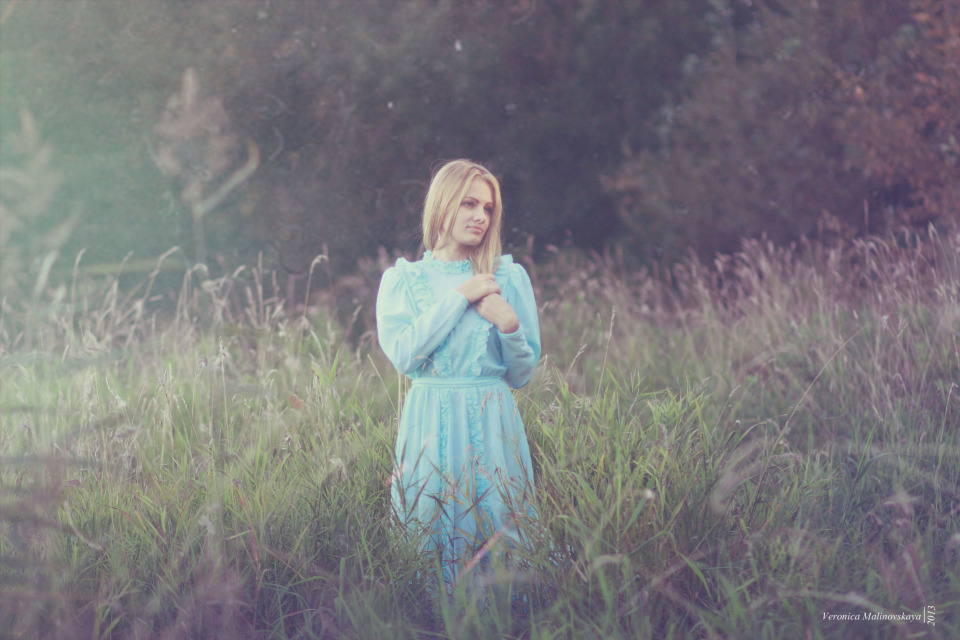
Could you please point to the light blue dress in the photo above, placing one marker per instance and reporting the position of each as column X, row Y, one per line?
column 463, row 477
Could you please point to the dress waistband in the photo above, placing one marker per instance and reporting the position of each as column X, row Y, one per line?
column 456, row 382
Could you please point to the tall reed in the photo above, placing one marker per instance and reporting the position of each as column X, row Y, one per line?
column 740, row 449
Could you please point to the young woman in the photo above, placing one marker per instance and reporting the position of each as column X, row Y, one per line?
column 462, row 324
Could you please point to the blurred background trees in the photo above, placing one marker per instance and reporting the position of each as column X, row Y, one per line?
column 662, row 125
column 804, row 117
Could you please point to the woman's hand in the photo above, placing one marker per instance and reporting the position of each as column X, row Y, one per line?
column 497, row 310
column 479, row 286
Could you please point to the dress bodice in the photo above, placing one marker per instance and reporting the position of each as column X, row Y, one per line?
column 427, row 328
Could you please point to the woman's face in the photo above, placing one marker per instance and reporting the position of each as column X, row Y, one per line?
column 471, row 220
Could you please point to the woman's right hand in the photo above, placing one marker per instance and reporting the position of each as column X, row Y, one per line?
column 478, row 287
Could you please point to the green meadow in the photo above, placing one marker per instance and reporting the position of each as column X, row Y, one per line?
column 763, row 447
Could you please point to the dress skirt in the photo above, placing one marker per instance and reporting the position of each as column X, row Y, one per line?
column 463, row 476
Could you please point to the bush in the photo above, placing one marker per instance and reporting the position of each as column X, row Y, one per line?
column 817, row 112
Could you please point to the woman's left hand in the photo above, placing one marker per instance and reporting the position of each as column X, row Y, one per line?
column 495, row 308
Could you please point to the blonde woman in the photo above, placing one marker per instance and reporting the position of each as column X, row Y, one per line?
column 462, row 323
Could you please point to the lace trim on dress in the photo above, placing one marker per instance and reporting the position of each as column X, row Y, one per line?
column 478, row 345
column 480, row 473
column 424, row 298
column 422, row 294
column 442, row 360
column 453, row 266
column 442, row 441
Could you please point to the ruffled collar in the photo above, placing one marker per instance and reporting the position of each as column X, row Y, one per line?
column 454, row 266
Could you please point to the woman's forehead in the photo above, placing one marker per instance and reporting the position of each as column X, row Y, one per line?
column 480, row 189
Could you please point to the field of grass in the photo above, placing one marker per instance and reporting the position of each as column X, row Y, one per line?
column 753, row 449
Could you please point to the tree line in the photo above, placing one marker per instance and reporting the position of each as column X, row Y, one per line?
column 248, row 127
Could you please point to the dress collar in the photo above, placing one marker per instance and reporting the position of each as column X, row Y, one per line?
column 453, row 266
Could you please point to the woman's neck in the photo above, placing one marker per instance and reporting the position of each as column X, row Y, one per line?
column 450, row 252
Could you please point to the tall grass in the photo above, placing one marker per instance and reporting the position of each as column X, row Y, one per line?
column 728, row 451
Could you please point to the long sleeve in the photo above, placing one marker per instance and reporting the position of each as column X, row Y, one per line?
column 520, row 349
column 408, row 338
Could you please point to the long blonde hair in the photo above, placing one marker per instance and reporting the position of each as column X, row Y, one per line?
column 447, row 190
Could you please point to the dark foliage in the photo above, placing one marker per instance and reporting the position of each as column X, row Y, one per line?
column 662, row 125
column 349, row 104
column 806, row 118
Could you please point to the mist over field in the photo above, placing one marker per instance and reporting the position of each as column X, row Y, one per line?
column 740, row 221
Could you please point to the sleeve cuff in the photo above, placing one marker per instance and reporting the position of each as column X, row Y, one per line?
column 516, row 336
column 456, row 297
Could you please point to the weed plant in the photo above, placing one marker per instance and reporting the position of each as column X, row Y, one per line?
column 736, row 450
